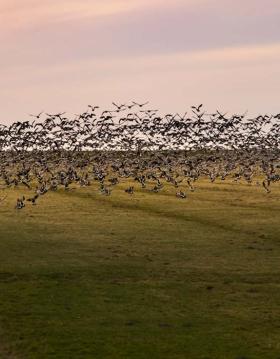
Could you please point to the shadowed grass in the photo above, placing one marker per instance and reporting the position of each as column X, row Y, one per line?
column 143, row 276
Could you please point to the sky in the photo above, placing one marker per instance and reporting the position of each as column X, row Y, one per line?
column 63, row 55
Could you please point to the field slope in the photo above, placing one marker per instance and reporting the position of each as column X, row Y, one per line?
column 147, row 275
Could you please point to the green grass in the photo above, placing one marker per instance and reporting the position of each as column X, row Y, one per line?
column 144, row 276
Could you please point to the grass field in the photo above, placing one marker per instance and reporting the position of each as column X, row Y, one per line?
column 83, row 275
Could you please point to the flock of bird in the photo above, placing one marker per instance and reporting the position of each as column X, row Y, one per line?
column 132, row 143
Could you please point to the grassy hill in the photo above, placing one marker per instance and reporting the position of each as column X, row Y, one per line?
column 147, row 275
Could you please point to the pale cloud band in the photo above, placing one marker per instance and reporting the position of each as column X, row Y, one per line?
column 27, row 13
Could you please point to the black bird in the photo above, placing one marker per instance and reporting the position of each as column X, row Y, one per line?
column 33, row 199
column 140, row 104
column 37, row 116
column 20, row 203
column 197, row 108
column 119, row 107
column 141, row 145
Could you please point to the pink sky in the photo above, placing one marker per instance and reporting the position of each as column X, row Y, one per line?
column 63, row 55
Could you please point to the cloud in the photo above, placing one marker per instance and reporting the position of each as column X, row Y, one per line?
column 29, row 13
column 138, row 28
column 63, row 54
